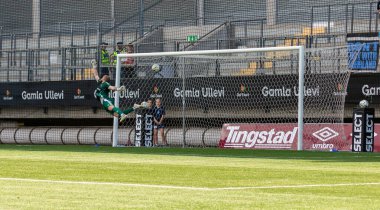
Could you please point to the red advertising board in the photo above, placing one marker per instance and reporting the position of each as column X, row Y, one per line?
column 284, row 136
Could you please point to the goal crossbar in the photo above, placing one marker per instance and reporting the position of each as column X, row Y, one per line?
column 301, row 67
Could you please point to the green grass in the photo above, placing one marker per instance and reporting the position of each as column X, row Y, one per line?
column 208, row 171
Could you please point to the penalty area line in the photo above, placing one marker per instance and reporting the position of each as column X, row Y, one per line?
column 119, row 184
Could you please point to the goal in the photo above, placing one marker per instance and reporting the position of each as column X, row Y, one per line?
column 202, row 90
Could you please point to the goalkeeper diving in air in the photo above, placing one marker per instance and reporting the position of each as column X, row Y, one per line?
column 103, row 92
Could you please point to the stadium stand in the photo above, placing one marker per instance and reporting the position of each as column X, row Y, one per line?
column 73, row 43
column 69, row 33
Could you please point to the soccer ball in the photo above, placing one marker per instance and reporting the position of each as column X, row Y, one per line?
column 156, row 67
column 363, row 104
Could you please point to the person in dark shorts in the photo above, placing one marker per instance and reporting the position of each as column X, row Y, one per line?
column 158, row 118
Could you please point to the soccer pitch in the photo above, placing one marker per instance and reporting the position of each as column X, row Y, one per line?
column 88, row 177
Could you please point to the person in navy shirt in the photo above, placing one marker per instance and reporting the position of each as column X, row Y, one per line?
column 158, row 118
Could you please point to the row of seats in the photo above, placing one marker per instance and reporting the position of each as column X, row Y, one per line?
column 254, row 66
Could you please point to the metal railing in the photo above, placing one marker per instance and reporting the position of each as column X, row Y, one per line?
column 51, row 64
column 74, row 63
column 336, row 19
column 352, row 17
column 88, row 37
column 37, row 52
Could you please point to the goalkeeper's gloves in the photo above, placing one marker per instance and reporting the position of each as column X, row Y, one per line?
column 142, row 105
column 121, row 88
column 93, row 64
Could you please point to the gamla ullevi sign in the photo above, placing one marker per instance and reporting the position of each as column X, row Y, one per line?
column 45, row 95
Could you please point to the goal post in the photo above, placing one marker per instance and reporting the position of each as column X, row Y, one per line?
column 279, row 97
column 301, row 72
column 224, row 54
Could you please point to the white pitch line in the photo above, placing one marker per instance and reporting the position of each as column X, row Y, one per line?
column 186, row 187
column 107, row 183
column 298, row 186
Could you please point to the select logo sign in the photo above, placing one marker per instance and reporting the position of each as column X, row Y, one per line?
column 363, row 130
column 144, row 128
column 369, row 132
column 139, row 130
column 148, row 130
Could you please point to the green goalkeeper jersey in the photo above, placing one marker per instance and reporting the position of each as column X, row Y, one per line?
column 102, row 90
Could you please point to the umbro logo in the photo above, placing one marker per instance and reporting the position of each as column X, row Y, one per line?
column 325, row 134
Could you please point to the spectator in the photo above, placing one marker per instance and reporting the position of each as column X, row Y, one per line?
column 158, row 118
column 105, row 60
column 149, row 104
column 130, row 63
column 119, row 49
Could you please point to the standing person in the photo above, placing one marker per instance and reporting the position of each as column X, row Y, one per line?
column 158, row 118
column 119, row 49
column 130, row 63
column 105, row 60
column 149, row 104
column 103, row 92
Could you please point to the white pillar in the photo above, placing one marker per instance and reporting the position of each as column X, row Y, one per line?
column 201, row 12
column 36, row 17
column 141, row 17
column 112, row 9
column 271, row 12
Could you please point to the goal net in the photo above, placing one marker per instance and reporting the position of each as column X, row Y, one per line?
column 203, row 90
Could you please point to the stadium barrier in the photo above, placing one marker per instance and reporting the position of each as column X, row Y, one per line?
column 206, row 137
column 323, row 137
column 282, row 136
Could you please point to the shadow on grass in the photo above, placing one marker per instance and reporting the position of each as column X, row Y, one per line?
column 320, row 156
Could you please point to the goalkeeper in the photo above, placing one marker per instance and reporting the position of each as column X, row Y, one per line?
column 103, row 95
